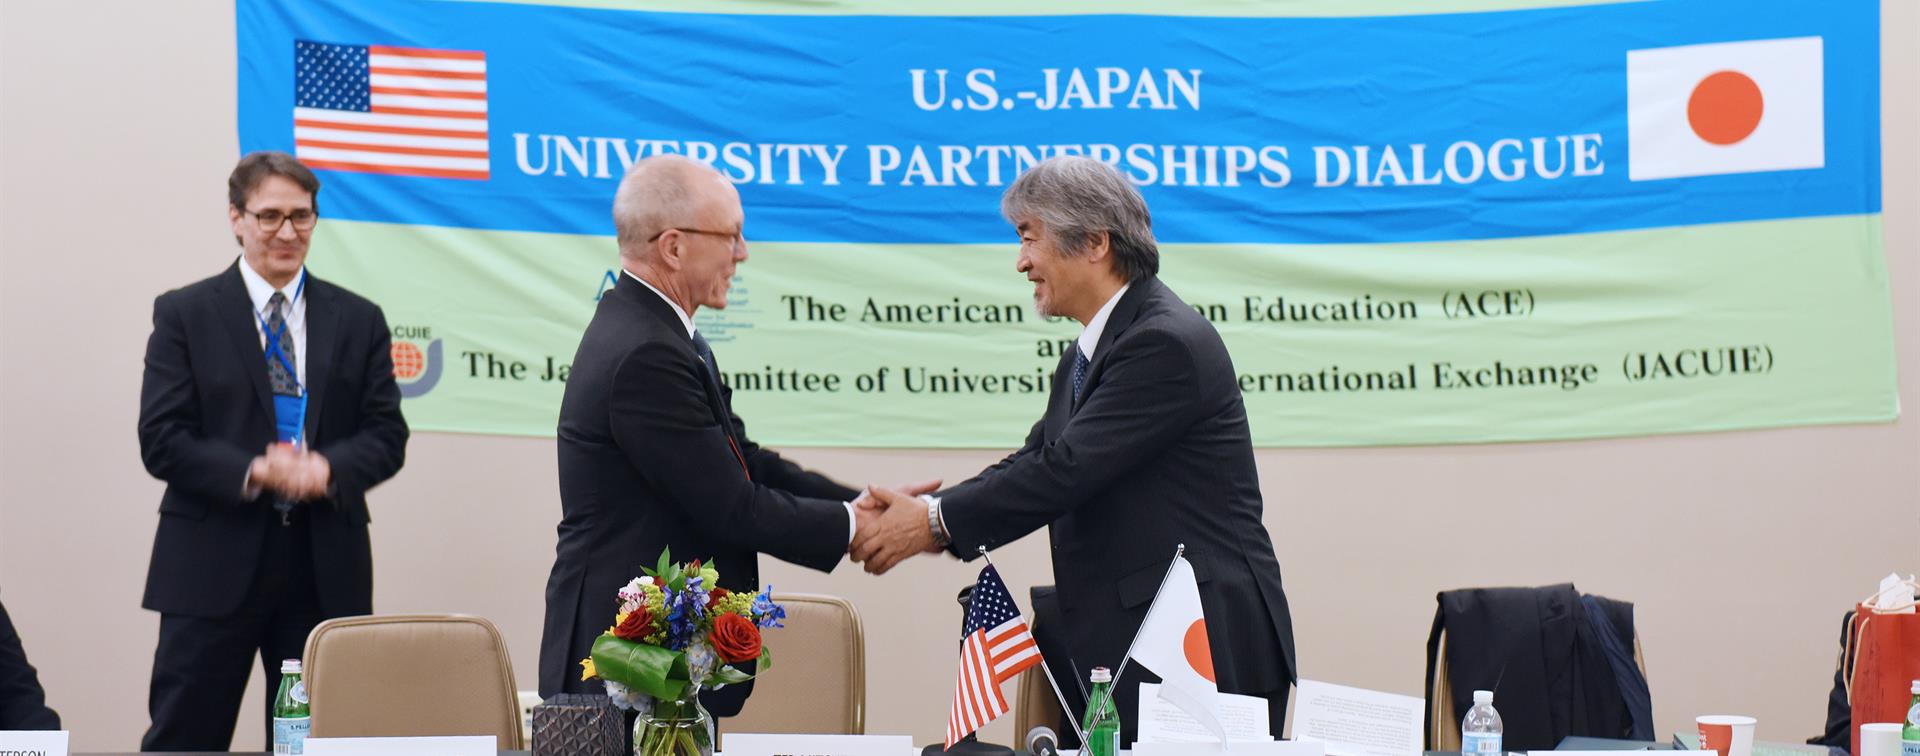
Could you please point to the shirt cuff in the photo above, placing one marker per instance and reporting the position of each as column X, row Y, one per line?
column 850, row 533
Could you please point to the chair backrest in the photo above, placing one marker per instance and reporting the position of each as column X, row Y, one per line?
column 818, row 682
column 411, row 675
column 1034, row 703
column 1443, row 726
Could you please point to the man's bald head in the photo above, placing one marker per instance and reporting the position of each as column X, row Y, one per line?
column 663, row 192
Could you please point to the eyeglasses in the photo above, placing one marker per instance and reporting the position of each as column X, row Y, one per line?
column 270, row 221
column 737, row 238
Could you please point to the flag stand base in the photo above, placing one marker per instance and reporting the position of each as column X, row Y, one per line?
column 967, row 748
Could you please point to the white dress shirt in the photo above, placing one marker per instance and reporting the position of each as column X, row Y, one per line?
column 687, row 320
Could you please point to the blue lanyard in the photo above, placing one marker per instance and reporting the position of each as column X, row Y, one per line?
column 274, row 351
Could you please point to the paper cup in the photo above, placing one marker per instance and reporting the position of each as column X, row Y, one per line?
column 1727, row 734
column 1880, row 740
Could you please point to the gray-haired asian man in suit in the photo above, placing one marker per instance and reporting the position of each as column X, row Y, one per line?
column 1144, row 445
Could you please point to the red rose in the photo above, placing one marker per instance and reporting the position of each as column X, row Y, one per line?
column 716, row 595
column 735, row 638
column 638, row 623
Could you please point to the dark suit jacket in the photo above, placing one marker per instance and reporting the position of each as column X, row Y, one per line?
column 206, row 411
column 23, row 703
column 1155, row 453
column 647, row 462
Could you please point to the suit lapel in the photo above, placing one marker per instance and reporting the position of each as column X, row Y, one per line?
column 1059, row 401
column 323, row 320
column 235, row 308
column 662, row 312
column 1124, row 313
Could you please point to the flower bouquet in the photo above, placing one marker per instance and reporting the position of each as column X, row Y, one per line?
column 674, row 634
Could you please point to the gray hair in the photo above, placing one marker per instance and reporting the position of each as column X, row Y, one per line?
column 655, row 195
column 1079, row 197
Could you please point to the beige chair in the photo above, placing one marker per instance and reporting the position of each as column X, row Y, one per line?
column 818, row 683
column 411, row 675
column 1034, row 703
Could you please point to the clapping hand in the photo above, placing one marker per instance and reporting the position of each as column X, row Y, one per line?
column 293, row 472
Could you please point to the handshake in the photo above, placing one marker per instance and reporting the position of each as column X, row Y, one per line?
column 294, row 472
column 891, row 524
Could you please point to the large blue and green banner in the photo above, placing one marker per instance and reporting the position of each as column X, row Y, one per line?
column 1433, row 221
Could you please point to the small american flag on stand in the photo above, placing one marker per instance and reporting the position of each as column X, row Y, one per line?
column 996, row 646
column 398, row 110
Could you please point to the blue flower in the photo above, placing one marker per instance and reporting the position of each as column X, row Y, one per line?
column 685, row 609
column 768, row 613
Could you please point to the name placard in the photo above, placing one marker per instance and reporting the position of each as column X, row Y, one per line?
column 465, row 745
column 33, row 742
column 749, row 744
column 1239, row 748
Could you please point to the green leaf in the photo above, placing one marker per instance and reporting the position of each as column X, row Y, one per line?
column 727, row 675
column 666, row 560
column 766, row 660
column 652, row 670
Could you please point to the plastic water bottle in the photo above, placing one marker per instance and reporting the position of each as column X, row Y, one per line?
column 292, row 719
column 1910, row 731
column 1480, row 730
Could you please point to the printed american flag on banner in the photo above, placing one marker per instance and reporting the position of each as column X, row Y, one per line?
column 398, row 110
column 997, row 646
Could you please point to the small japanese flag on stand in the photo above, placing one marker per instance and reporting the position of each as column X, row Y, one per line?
column 1173, row 643
column 1729, row 107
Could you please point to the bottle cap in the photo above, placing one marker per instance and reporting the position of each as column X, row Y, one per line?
column 1483, row 696
column 290, row 667
column 1916, row 687
column 1101, row 674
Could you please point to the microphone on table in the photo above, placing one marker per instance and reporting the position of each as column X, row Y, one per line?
column 1042, row 742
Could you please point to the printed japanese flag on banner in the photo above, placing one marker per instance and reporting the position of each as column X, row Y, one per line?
column 1173, row 643
column 1731, row 107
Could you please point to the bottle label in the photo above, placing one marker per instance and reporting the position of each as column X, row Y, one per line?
column 1480, row 743
column 290, row 735
column 299, row 691
column 1910, row 748
column 1913, row 714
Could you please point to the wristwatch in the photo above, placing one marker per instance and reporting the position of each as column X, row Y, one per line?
column 934, row 524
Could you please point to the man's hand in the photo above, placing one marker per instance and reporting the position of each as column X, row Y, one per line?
column 866, row 499
column 292, row 472
column 899, row 531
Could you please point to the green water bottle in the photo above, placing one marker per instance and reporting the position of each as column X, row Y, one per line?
column 1910, row 733
column 292, row 720
column 1102, row 721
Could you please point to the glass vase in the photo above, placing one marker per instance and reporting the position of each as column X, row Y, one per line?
column 679, row 727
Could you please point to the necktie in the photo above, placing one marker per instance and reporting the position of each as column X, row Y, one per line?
column 280, row 374
column 705, row 351
column 1079, row 371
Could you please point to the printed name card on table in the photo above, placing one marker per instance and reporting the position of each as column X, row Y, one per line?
column 1237, row 748
column 1356, row 721
column 748, row 744
column 1244, row 717
column 476, row 745
column 33, row 742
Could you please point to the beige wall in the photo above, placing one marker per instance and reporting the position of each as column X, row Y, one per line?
column 117, row 130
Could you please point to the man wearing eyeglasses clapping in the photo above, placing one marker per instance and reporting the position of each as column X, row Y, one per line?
column 269, row 408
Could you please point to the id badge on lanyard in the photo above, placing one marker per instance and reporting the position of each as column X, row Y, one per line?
column 287, row 408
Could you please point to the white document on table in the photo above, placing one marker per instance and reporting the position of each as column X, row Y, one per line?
column 464, row 745
column 1356, row 721
column 36, row 742
column 1236, row 748
column 753, row 744
column 1245, row 718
